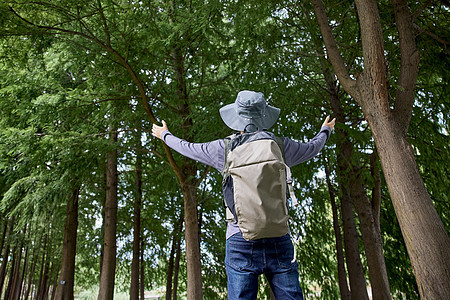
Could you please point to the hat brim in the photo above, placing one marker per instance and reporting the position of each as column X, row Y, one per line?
column 230, row 117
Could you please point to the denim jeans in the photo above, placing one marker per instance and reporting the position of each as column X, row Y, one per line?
column 246, row 260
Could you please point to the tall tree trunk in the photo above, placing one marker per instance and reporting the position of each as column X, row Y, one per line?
column 424, row 234
column 16, row 276
column 426, row 239
column 176, row 269
column 355, row 269
column 142, row 285
column 43, row 282
column 174, row 262
column 10, row 286
column 55, row 284
column 108, row 270
column 373, row 244
column 32, row 268
column 5, row 229
column 64, row 290
column 194, row 273
column 41, row 272
column 134, row 288
column 342, row 274
column 24, row 273
column 367, row 210
column 6, row 255
column 170, row 268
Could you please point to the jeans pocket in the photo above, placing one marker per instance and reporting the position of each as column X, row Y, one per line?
column 239, row 255
column 285, row 253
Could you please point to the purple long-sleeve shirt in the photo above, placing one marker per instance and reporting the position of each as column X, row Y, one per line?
column 213, row 154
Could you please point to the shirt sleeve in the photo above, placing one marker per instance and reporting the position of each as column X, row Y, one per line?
column 296, row 152
column 210, row 153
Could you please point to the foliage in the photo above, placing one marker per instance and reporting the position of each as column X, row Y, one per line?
column 69, row 69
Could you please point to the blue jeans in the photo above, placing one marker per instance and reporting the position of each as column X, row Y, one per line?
column 246, row 260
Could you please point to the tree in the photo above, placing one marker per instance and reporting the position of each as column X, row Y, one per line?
column 423, row 231
column 66, row 279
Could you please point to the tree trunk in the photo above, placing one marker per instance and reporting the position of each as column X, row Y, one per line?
column 355, row 269
column 194, row 271
column 357, row 279
column 373, row 244
column 176, row 270
column 176, row 267
column 5, row 229
column 43, row 283
column 32, row 268
column 342, row 275
column 368, row 212
column 9, row 287
column 108, row 270
column 41, row 272
column 16, row 276
column 24, row 273
column 170, row 267
column 425, row 236
column 64, row 290
column 6, row 255
column 142, row 285
column 134, row 288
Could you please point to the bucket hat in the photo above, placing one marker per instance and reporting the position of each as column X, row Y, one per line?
column 250, row 108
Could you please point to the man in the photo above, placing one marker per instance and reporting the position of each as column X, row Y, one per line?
column 247, row 259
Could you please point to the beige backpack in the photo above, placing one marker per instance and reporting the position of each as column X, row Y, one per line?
column 255, row 184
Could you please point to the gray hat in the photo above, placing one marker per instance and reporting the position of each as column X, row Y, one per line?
column 250, row 108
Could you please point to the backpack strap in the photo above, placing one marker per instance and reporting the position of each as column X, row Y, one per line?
column 280, row 142
column 226, row 142
column 225, row 173
column 290, row 186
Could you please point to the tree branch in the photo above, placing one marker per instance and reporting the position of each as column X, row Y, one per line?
column 409, row 66
column 332, row 50
column 374, row 73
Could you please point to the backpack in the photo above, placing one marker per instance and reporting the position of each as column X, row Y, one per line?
column 256, row 181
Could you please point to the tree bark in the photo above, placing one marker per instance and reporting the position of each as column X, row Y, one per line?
column 142, row 283
column 177, row 253
column 424, row 234
column 41, row 272
column 373, row 244
column 358, row 286
column 5, row 229
column 16, row 275
column 170, row 268
column 188, row 183
column 342, row 274
column 426, row 239
column 358, row 289
column 65, row 285
column 194, row 273
column 134, row 288
column 176, row 269
column 6, row 254
column 108, row 270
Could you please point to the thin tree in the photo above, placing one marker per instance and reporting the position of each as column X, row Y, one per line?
column 65, row 284
column 108, row 269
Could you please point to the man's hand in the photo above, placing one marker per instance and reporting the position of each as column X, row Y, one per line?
column 329, row 123
column 158, row 130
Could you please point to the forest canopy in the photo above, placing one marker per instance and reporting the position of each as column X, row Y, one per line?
column 91, row 201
